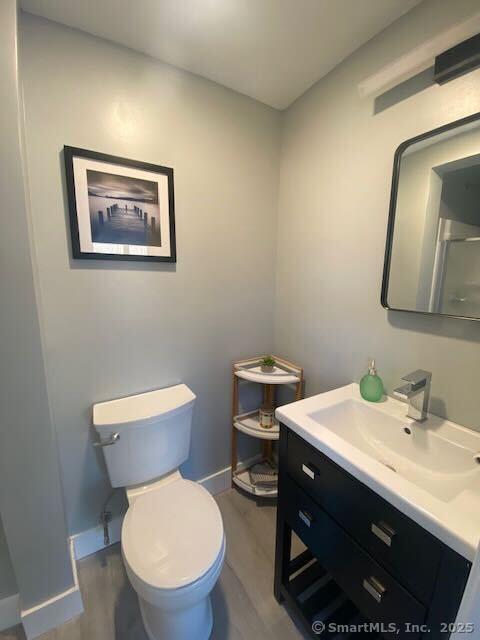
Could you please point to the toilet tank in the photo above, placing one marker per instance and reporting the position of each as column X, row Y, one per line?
column 154, row 433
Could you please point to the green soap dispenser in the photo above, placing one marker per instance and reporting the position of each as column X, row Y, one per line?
column 371, row 385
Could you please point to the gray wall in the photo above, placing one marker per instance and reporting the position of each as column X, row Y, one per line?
column 8, row 583
column 30, row 488
column 334, row 193
column 114, row 329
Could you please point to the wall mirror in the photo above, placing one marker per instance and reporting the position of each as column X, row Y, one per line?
column 432, row 257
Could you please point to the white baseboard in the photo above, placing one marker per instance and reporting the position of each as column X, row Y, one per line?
column 54, row 612
column 222, row 480
column 9, row 612
column 90, row 541
column 218, row 481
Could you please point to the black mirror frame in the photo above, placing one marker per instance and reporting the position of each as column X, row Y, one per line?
column 392, row 208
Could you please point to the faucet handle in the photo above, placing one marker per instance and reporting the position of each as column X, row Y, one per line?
column 418, row 378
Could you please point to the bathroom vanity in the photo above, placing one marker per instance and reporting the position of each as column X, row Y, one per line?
column 389, row 538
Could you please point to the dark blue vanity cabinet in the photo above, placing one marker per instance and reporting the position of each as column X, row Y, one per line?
column 366, row 564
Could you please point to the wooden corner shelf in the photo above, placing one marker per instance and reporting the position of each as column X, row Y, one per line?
column 284, row 372
column 249, row 370
column 249, row 423
column 242, row 479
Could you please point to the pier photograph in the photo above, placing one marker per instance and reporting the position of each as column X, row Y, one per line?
column 123, row 210
column 120, row 209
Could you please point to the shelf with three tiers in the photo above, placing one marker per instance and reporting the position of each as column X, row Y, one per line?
column 284, row 373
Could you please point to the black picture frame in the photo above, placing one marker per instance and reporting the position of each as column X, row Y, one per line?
column 69, row 154
column 392, row 209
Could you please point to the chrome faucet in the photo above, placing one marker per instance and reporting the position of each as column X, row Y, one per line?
column 416, row 393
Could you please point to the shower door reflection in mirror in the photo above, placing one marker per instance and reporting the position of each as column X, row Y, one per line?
column 432, row 258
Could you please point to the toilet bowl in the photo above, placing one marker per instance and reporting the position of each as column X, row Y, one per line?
column 173, row 547
column 173, row 542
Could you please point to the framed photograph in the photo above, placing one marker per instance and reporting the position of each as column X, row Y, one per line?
column 119, row 209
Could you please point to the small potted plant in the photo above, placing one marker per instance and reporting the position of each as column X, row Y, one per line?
column 267, row 364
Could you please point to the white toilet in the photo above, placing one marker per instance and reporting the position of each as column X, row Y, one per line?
column 173, row 543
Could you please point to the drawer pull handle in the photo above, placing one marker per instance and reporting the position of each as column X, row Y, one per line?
column 384, row 532
column 310, row 470
column 305, row 517
column 374, row 588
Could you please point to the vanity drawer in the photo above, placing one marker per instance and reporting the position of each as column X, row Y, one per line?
column 404, row 548
column 378, row 596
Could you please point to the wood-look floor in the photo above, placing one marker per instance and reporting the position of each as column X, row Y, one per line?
column 243, row 603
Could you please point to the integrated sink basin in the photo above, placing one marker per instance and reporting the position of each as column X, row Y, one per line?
column 430, row 459
column 428, row 470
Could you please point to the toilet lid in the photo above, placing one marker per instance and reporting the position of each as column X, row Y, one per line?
column 172, row 535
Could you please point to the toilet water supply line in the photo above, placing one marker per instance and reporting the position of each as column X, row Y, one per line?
column 105, row 518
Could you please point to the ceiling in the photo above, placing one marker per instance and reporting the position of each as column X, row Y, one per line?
column 270, row 50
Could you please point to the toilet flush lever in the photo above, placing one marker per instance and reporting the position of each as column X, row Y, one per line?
column 107, row 443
